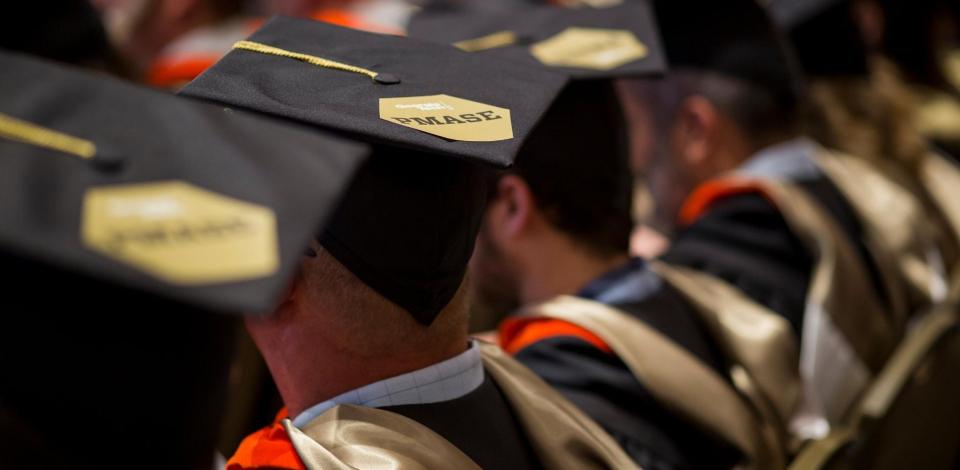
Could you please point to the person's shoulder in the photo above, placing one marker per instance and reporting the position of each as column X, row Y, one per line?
column 605, row 388
column 746, row 221
column 734, row 209
column 744, row 239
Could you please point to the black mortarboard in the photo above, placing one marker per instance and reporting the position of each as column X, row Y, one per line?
column 824, row 35
column 408, row 223
column 155, row 193
column 620, row 41
column 735, row 38
column 595, row 204
column 127, row 219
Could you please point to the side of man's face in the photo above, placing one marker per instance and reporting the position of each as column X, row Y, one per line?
column 656, row 157
column 493, row 280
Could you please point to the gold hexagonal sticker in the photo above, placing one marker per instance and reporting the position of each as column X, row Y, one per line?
column 180, row 233
column 590, row 48
column 449, row 117
column 490, row 41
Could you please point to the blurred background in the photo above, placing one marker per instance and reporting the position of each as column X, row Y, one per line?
column 915, row 47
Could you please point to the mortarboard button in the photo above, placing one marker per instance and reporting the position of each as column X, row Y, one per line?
column 108, row 160
column 386, row 79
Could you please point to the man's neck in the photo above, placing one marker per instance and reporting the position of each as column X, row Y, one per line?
column 564, row 271
column 310, row 369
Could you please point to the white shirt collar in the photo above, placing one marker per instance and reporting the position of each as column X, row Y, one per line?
column 443, row 381
column 791, row 159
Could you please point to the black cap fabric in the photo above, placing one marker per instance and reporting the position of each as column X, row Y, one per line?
column 825, row 36
column 407, row 226
column 476, row 6
column 408, row 222
column 147, row 371
column 621, row 41
column 153, row 193
column 432, row 79
column 735, row 38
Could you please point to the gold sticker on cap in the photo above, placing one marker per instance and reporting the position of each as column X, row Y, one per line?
column 490, row 41
column 181, row 233
column 599, row 4
column 449, row 117
column 590, row 48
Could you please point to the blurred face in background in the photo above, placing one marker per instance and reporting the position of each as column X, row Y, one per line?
column 658, row 156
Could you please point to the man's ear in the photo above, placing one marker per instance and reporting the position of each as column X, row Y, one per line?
column 696, row 129
column 512, row 208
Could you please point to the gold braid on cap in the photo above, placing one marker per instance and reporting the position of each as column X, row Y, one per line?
column 25, row 132
column 310, row 59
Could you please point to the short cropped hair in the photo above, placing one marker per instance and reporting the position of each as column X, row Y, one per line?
column 373, row 325
column 757, row 112
column 576, row 163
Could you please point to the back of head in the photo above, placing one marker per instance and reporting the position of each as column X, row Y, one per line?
column 856, row 104
column 69, row 31
column 576, row 164
column 829, row 43
column 97, row 377
column 737, row 42
column 916, row 35
column 368, row 325
column 407, row 225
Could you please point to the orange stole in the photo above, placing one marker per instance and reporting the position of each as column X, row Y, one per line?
column 518, row 333
column 269, row 447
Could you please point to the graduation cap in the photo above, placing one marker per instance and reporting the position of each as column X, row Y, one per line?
column 128, row 220
column 477, row 6
column 736, row 38
column 824, row 34
column 183, row 200
column 620, row 41
column 437, row 115
column 592, row 47
column 789, row 13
